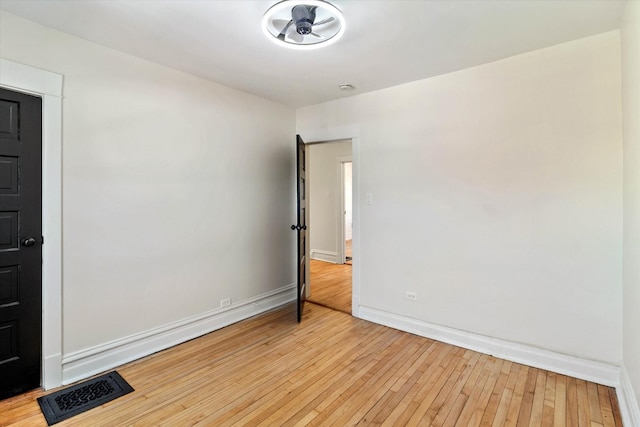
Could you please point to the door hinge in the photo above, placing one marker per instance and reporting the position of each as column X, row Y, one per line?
column 42, row 239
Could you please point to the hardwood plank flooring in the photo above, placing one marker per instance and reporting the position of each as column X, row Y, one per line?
column 332, row 369
column 331, row 285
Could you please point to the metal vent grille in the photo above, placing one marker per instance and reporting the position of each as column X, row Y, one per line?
column 79, row 398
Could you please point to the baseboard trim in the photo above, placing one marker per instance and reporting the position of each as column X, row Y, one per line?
column 590, row 370
column 627, row 400
column 327, row 256
column 85, row 363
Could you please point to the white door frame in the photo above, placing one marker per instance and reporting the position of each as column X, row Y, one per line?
column 351, row 132
column 341, row 250
column 48, row 86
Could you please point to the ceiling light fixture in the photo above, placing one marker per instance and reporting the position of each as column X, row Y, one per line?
column 346, row 86
column 303, row 24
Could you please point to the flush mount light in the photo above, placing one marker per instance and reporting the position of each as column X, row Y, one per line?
column 303, row 24
column 346, row 86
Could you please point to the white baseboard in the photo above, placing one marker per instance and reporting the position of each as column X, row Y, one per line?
column 326, row 256
column 627, row 400
column 85, row 363
column 590, row 370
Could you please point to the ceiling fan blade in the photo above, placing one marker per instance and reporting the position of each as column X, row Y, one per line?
column 279, row 23
column 297, row 38
column 284, row 30
column 325, row 21
column 316, row 35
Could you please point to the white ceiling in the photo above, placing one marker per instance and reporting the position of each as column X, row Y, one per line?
column 386, row 43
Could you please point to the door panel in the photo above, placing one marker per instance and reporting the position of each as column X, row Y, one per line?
column 8, row 175
column 20, row 242
column 301, row 226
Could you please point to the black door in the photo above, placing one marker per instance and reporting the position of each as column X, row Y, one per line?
column 20, row 242
column 301, row 226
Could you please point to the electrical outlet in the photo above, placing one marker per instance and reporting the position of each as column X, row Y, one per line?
column 412, row 296
column 225, row 302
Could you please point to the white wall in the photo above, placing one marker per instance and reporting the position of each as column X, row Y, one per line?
column 171, row 186
column 324, row 197
column 497, row 197
column 631, row 116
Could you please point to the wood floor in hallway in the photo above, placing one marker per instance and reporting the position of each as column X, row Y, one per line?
column 331, row 285
column 332, row 370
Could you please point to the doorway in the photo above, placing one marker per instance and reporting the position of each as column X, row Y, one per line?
column 347, row 211
column 48, row 86
column 20, row 242
column 329, row 210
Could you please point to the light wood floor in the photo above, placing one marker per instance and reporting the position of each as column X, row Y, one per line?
column 333, row 369
column 331, row 285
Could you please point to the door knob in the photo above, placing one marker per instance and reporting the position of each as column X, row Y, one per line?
column 29, row 241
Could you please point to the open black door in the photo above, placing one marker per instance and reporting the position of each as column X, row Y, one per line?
column 301, row 226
